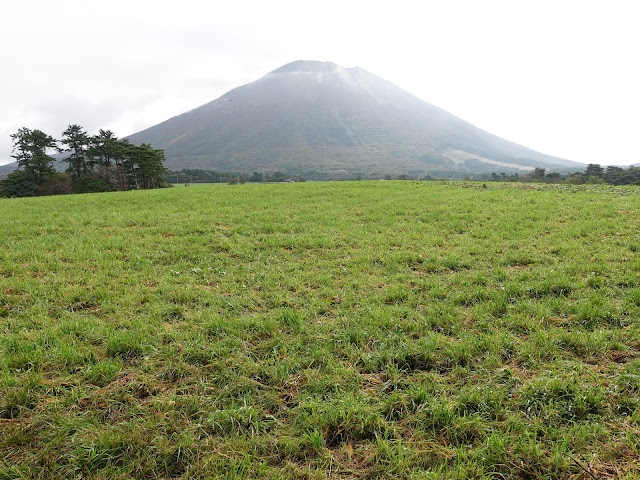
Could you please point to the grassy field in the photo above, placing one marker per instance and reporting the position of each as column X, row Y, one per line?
column 322, row 330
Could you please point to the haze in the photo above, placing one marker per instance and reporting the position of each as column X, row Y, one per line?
column 558, row 77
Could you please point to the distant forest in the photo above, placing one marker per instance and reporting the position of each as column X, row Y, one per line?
column 99, row 163
column 188, row 176
column 593, row 174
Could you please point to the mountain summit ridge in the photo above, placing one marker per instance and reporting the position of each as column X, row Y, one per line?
column 308, row 66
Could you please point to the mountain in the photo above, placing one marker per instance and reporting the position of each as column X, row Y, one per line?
column 7, row 169
column 322, row 121
column 310, row 116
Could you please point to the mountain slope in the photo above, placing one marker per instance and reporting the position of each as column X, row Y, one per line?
column 7, row 169
column 318, row 116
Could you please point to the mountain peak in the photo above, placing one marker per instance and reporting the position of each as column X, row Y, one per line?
column 308, row 66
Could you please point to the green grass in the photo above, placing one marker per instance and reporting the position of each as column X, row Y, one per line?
column 322, row 330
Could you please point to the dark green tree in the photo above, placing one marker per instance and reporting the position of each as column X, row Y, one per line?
column 104, row 147
column 553, row 177
column 77, row 142
column 536, row 175
column 18, row 184
column 30, row 149
column 594, row 170
column 144, row 166
column 256, row 177
column 277, row 177
column 108, row 157
column 614, row 175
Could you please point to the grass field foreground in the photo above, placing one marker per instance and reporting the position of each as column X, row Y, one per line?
column 417, row 330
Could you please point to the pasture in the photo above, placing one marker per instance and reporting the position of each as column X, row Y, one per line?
column 416, row 330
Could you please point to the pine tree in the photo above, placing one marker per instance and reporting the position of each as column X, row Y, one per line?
column 77, row 142
column 30, row 151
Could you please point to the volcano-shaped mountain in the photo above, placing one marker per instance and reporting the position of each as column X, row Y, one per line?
column 310, row 116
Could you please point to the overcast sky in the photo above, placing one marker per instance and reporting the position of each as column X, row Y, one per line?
column 558, row 76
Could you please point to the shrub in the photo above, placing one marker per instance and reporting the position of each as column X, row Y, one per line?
column 18, row 184
column 59, row 184
column 90, row 184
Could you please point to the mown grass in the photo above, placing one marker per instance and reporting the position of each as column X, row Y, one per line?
column 329, row 330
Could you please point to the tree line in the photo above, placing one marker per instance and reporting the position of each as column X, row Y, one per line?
column 593, row 174
column 96, row 163
column 211, row 176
